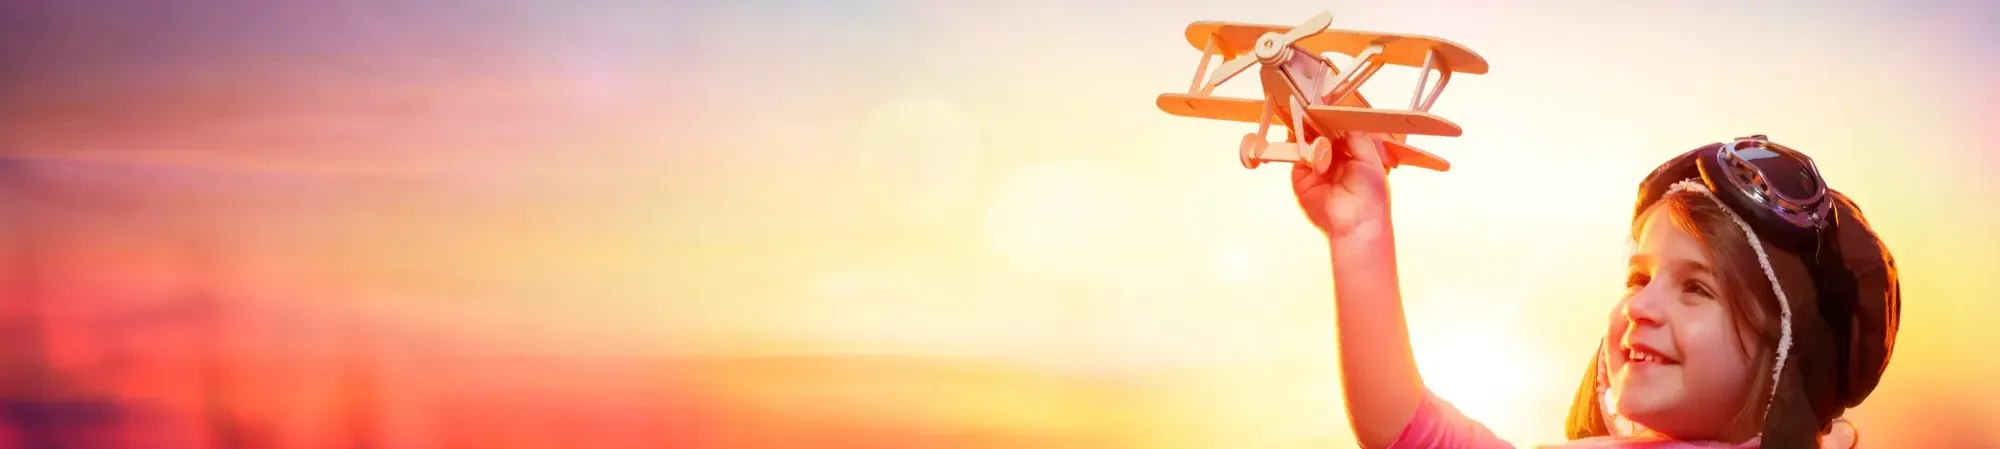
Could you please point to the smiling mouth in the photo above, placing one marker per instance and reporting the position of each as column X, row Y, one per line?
column 1647, row 355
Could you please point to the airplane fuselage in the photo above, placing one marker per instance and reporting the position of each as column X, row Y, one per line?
column 1301, row 76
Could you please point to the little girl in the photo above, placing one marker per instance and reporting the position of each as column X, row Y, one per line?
column 1759, row 306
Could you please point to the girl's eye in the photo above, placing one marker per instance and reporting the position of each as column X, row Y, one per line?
column 1637, row 280
column 1696, row 287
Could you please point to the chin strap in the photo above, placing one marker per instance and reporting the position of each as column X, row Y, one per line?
column 1853, row 433
column 1607, row 399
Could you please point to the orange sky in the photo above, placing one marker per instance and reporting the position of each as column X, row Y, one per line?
column 985, row 183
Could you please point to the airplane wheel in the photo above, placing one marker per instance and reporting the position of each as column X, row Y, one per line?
column 1321, row 155
column 1248, row 150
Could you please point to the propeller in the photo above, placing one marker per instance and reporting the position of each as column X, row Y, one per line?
column 1269, row 49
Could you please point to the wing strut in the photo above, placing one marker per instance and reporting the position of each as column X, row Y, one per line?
column 1364, row 66
column 1421, row 102
column 1207, row 51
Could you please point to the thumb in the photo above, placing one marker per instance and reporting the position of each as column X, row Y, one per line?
column 1364, row 148
column 1303, row 178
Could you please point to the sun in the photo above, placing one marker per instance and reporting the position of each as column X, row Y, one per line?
column 1472, row 350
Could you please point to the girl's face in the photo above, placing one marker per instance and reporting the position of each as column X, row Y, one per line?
column 1677, row 363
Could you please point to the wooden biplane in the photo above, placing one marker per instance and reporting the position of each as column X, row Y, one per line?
column 1305, row 92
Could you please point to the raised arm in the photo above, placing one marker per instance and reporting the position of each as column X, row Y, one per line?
column 1378, row 370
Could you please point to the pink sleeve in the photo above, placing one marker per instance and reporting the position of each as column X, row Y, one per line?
column 1436, row 425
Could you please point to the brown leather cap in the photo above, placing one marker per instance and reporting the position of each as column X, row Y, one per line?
column 1843, row 337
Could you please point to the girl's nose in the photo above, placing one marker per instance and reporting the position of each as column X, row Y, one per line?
column 1648, row 305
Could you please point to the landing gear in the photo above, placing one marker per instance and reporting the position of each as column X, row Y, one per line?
column 1252, row 145
column 1319, row 155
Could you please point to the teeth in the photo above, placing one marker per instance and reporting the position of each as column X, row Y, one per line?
column 1641, row 356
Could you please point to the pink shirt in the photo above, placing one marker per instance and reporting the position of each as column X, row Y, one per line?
column 1437, row 425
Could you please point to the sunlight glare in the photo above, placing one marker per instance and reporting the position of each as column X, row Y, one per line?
column 1052, row 218
column 1234, row 264
column 1473, row 353
column 920, row 153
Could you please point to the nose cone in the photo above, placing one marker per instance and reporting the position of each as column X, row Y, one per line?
column 1267, row 46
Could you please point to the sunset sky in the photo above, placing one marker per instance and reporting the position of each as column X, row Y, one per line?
column 981, row 181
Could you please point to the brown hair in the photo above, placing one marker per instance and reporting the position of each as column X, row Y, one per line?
column 1750, row 299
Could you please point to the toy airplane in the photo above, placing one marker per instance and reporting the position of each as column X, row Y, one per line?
column 1306, row 93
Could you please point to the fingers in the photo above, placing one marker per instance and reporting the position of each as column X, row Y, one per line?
column 1302, row 178
column 1363, row 150
column 1363, row 147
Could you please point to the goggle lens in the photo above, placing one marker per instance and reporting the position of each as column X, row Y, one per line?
column 1784, row 173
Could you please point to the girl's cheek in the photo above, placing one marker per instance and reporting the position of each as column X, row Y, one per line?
column 1616, row 318
column 1614, row 330
column 1614, row 338
column 1713, row 340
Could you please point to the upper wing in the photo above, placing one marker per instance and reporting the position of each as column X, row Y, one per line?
column 1398, row 49
column 1219, row 108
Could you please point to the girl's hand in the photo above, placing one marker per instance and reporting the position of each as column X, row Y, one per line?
column 1350, row 196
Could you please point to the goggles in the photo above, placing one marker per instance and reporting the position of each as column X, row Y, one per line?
column 1776, row 189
